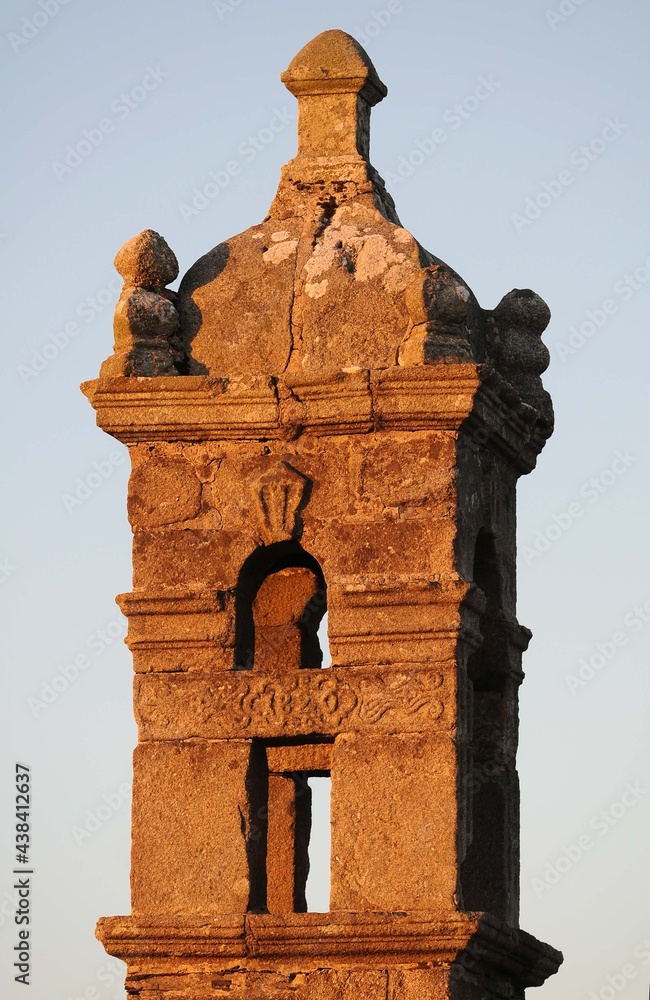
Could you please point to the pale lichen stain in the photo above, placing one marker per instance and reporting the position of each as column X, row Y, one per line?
column 397, row 278
column 316, row 290
column 375, row 256
column 280, row 252
column 372, row 256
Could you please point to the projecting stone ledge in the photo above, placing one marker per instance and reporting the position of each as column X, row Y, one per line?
column 431, row 397
column 423, row 950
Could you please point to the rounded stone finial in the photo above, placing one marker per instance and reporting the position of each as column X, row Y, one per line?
column 518, row 351
column 147, row 261
column 334, row 62
column 523, row 308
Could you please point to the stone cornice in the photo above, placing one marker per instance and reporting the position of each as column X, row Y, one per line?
column 431, row 397
column 478, row 942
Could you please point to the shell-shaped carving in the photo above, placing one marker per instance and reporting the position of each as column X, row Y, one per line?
column 279, row 497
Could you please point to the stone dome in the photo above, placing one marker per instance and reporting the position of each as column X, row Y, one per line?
column 329, row 279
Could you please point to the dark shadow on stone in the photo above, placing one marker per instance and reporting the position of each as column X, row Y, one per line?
column 257, row 832
column 499, row 962
column 206, row 269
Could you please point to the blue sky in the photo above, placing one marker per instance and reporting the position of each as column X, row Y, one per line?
column 515, row 142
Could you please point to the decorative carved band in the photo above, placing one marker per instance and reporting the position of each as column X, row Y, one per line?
column 248, row 704
column 478, row 941
column 426, row 397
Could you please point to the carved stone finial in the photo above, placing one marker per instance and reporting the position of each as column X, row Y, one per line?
column 517, row 349
column 147, row 261
column 336, row 85
column 146, row 323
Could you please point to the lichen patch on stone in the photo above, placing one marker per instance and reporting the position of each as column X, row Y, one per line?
column 316, row 290
column 280, row 252
column 375, row 256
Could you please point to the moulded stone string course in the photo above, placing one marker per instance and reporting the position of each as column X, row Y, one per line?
column 323, row 420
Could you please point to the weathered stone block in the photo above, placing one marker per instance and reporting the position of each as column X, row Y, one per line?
column 195, row 831
column 394, row 822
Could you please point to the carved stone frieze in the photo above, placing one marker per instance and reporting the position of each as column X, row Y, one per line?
column 246, row 704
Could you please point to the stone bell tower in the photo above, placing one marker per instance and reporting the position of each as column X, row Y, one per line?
column 324, row 419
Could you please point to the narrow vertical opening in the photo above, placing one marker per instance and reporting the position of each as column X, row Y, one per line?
column 320, row 843
column 324, row 642
column 297, row 873
column 484, row 869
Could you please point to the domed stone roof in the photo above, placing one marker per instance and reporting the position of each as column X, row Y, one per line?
column 330, row 279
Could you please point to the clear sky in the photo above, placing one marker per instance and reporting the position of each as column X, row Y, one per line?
column 540, row 180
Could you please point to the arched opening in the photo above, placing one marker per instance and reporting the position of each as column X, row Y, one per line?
column 280, row 602
column 281, row 605
column 484, row 871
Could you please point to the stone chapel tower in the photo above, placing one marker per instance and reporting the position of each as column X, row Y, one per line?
column 323, row 418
